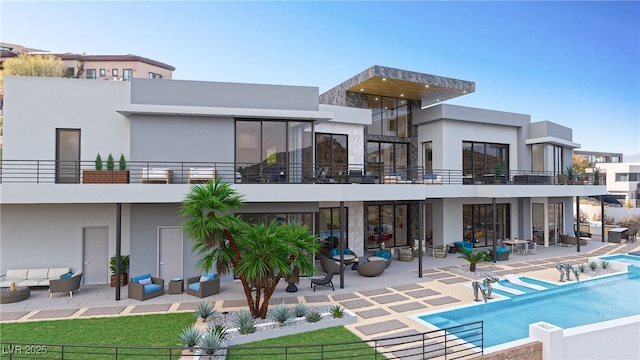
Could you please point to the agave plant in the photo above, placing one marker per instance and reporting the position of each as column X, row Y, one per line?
column 337, row 312
column 205, row 311
column 245, row 322
column 281, row 313
column 582, row 267
column 189, row 337
column 219, row 331
column 210, row 344
column 593, row 265
column 300, row 310
column 474, row 257
column 604, row 263
column 313, row 316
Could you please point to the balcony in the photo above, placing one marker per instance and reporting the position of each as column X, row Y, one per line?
column 163, row 172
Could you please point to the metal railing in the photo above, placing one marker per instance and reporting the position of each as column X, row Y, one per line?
column 456, row 342
column 76, row 172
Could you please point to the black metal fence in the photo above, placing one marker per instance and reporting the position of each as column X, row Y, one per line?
column 459, row 342
column 75, row 172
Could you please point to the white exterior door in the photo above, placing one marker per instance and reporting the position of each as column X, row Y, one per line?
column 169, row 253
column 95, row 260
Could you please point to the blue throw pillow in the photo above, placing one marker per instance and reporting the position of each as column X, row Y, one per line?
column 335, row 252
column 66, row 276
column 347, row 252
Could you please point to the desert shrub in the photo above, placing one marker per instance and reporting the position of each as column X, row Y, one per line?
column 593, row 265
column 281, row 313
column 300, row 310
column 313, row 316
column 205, row 310
column 245, row 322
column 337, row 312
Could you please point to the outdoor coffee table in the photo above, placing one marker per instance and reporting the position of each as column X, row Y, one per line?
column 7, row 296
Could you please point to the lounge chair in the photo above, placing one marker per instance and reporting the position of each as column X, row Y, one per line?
column 65, row 285
column 325, row 281
column 372, row 268
column 440, row 251
column 516, row 280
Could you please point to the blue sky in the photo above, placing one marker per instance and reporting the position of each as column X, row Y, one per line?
column 573, row 63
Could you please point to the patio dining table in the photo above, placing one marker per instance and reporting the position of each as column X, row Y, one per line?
column 515, row 242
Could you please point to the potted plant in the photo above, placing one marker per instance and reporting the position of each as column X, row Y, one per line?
column 570, row 174
column 596, row 176
column 124, row 269
column 111, row 176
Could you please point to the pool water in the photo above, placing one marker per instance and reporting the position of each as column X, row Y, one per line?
column 566, row 306
column 627, row 259
column 524, row 289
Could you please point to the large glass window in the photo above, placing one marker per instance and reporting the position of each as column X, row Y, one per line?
column 127, row 74
column 485, row 162
column 390, row 116
column 67, row 155
column 273, row 150
column 332, row 155
column 387, row 223
column 91, row 73
column 477, row 222
column 385, row 158
column 329, row 229
column 427, row 157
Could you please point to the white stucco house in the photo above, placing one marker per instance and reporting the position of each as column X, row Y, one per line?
column 384, row 146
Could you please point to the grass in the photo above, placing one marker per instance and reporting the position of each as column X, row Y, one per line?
column 157, row 330
column 338, row 335
column 162, row 330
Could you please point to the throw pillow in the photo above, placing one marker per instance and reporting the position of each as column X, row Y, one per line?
column 66, row 276
column 204, row 278
column 145, row 281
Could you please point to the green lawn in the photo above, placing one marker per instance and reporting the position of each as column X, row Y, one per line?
column 338, row 335
column 162, row 331
column 144, row 330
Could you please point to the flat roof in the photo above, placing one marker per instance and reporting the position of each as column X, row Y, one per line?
column 397, row 83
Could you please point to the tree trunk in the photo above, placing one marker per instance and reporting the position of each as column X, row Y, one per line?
column 472, row 267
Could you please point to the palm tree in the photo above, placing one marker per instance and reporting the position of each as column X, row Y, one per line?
column 474, row 257
column 259, row 254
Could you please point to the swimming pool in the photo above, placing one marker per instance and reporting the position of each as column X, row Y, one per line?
column 574, row 304
column 627, row 259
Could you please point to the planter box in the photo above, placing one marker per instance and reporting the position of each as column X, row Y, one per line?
column 348, row 318
column 123, row 280
column 105, row 177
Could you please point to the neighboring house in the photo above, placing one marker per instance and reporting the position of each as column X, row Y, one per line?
column 623, row 182
column 379, row 146
column 596, row 157
column 103, row 67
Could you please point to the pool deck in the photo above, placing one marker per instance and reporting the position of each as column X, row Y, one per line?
column 381, row 303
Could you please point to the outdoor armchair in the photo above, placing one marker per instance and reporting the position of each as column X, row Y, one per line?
column 325, row 281
column 203, row 289
column 65, row 285
column 139, row 289
column 372, row 268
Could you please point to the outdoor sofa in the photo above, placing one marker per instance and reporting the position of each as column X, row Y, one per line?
column 205, row 285
column 32, row 277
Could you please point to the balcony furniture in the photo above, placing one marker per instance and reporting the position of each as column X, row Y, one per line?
column 430, row 179
column 440, row 251
column 69, row 284
column 19, row 294
column 157, row 175
column 176, row 286
column 203, row 286
column 563, row 179
column 325, row 281
column 250, row 175
column 372, row 268
column 201, row 175
column 531, row 180
column 145, row 287
column 355, row 177
column 617, row 234
column 32, row 277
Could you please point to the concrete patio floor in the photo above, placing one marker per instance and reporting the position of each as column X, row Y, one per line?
column 381, row 303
